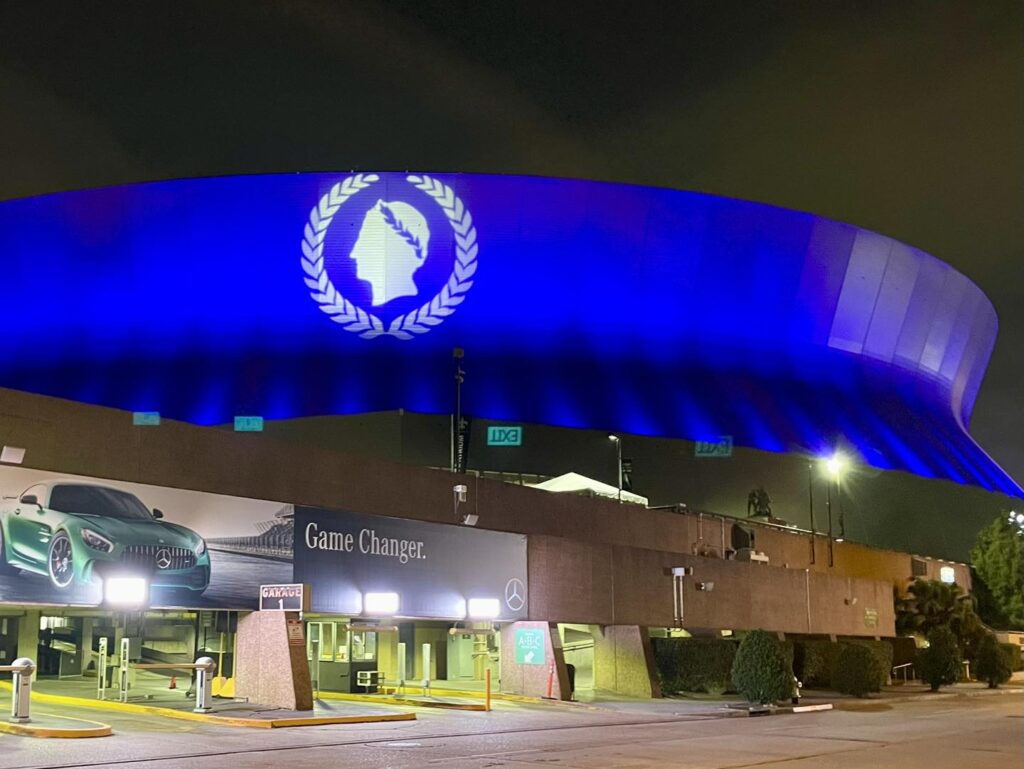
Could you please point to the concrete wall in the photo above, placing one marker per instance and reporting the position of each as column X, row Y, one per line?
column 269, row 670
column 529, row 679
column 596, row 561
column 614, row 585
column 623, row 661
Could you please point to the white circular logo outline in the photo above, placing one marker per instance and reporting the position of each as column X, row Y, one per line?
column 422, row 319
column 515, row 589
column 162, row 558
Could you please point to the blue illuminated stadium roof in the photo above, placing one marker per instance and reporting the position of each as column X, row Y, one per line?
column 580, row 304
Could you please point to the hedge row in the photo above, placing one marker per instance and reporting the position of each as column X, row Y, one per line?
column 694, row 664
column 1016, row 663
column 815, row 661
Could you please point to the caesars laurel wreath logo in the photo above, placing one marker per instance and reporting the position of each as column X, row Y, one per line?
column 428, row 315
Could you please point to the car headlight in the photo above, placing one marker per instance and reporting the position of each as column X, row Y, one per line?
column 201, row 547
column 97, row 541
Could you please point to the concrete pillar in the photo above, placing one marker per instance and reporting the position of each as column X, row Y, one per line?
column 28, row 635
column 529, row 668
column 624, row 661
column 86, row 650
column 271, row 667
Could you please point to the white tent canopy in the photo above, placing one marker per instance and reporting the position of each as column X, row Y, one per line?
column 574, row 482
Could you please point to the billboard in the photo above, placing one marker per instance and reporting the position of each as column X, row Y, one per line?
column 435, row 570
column 60, row 534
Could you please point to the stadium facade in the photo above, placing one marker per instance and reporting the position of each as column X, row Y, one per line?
column 726, row 345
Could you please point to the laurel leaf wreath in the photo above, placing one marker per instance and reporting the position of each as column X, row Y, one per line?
column 398, row 227
column 425, row 317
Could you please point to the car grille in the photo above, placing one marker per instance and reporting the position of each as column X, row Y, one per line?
column 159, row 557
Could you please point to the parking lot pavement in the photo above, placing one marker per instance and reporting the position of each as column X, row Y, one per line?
column 970, row 732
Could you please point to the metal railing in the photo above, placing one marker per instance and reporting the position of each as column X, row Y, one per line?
column 904, row 671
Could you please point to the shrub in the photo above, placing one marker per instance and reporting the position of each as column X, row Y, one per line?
column 760, row 670
column 939, row 663
column 857, row 670
column 882, row 651
column 991, row 662
column 1014, row 651
column 814, row 663
column 694, row 664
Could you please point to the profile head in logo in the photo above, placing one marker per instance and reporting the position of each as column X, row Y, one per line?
column 391, row 246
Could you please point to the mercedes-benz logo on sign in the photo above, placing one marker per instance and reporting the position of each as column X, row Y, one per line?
column 163, row 558
column 515, row 594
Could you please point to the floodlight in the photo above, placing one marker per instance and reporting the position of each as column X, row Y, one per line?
column 126, row 592
column 12, row 455
column 484, row 608
column 385, row 604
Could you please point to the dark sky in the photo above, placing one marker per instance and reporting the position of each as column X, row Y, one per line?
column 904, row 117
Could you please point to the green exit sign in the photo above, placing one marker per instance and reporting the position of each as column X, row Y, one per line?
column 505, row 435
column 248, row 424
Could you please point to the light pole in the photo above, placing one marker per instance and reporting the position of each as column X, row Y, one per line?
column 810, row 509
column 618, row 454
column 834, row 468
column 457, row 438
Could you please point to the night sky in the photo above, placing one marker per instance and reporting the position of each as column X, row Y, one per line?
column 903, row 117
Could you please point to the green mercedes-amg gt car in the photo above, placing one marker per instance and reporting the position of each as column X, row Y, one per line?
column 73, row 532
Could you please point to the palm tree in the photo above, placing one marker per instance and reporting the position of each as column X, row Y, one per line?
column 930, row 603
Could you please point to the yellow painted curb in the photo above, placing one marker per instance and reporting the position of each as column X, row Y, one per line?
column 34, row 730
column 383, row 699
column 188, row 715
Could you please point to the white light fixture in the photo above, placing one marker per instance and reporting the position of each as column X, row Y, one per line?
column 470, row 519
column 836, row 465
column 947, row 575
column 384, row 604
column 484, row 608
column 12, row 455
column 613, row 438
column 125, row 592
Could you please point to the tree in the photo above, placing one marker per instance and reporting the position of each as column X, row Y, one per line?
column 930, row 604
column 939, row 663
column 998, row 560
column 760, row 671
column 991, row 662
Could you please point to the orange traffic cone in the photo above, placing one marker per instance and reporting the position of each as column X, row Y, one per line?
column 174, row 683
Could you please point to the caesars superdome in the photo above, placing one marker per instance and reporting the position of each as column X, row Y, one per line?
column 582, row 304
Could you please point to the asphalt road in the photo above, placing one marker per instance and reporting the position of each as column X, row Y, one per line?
column 234, row 581
column 977, row 732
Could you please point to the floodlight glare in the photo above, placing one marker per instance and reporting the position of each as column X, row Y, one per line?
column 125, row 591
column 385, row 604
column 836, row 465
column 484, row 608
column 613, row 438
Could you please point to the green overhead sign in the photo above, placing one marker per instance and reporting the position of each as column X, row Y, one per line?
column 720, row 448
column 505, row 435
column 530, row 646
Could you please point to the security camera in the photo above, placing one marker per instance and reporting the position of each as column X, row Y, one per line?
column 707, row 587
column 850, row 601
column 460, row 491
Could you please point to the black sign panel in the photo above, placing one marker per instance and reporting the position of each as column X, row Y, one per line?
column 435, row 569
column 283, row 598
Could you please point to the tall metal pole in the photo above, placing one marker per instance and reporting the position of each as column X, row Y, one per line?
column 460, row 377
column 810, row 509
column 828, row 506
column 618, row 446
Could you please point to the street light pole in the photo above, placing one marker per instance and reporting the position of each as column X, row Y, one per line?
column 618, row 456
column 810, row 510
column 828, row 507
